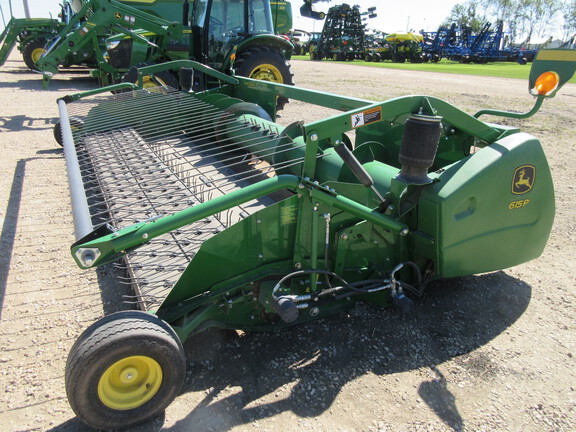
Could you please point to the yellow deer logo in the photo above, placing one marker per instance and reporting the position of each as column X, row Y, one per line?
column 523, row 179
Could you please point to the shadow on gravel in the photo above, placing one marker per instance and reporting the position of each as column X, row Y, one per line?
column 19, row 123
column 74, row 85
column 316, row 360
column 9, row 226
column 303, row 369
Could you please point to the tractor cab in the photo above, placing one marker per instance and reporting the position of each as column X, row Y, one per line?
column 219, row 25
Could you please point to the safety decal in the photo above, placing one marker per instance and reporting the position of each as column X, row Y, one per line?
column 288, row 215
column 523, row 179
column 366, row 117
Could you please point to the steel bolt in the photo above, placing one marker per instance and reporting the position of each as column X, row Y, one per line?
column 314, row 311
column 314, row 137
column 298, row 266
column 404, row 232
column 145, row 236
column 344, row 236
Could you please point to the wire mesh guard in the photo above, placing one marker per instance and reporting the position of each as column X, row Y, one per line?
column 146, row 154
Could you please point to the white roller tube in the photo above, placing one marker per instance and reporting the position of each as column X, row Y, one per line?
column 80, row 211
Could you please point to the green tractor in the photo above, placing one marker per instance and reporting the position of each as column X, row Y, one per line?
column 223, row 34
column 30, row 35
column 34, row 36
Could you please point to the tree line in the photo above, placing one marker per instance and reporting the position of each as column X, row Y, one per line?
column 526, row 19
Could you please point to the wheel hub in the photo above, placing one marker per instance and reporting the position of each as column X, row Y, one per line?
column 267, row 72
column 130, row 382
column 37, row 53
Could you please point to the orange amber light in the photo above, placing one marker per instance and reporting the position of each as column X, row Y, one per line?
column 546, row 83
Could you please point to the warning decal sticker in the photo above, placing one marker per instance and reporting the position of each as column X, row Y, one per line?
column 366, row 117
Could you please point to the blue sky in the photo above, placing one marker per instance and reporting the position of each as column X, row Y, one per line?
column 392, row 16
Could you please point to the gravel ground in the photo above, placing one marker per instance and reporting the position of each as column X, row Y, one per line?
column 491, row 352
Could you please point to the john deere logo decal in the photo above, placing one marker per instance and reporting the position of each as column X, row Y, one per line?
column 523, row 179
column 117, row 15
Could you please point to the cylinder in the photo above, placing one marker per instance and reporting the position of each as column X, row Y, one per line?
column 418, row 149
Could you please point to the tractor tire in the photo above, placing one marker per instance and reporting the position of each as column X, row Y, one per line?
column 159, row 79
column 32, row 52
column 75, row 124
column 124, row 370
column 265, row 64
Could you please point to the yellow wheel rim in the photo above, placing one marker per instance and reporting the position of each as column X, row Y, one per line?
column 266, row 72
column 149, row 82
column 37, row 53
column 130, row 382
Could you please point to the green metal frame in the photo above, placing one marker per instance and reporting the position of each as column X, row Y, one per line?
column 446, row 227
column 20, row 31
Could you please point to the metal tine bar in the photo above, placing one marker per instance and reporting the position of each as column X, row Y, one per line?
column 260, row 156
column 114, row 173
column 138, row 185
column 168, row 267
column 153, row 272
column 140, row 157
column 134, row 104
column 171, row 192
column 166, row 131
column 197, row 149
column 221, row 180
column 286, row 164
column 240, row 126
column 122, row 184
column 243, row 161
column 185, row 111
column 255, row 175
column 234, row 147
column 162, row 140
column 150, row 278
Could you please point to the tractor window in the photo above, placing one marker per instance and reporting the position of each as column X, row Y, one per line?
column 76, row 5
column 199, row 13
column 226, row 19
column 260, row 17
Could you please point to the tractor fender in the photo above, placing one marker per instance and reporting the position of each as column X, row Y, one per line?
column 265, row 40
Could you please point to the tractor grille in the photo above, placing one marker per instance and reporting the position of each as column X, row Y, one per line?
column 150, row 153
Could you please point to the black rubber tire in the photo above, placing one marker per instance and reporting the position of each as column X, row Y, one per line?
column 115, row 338
column 75, row 123
column 248, row 61
column 28, row 52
